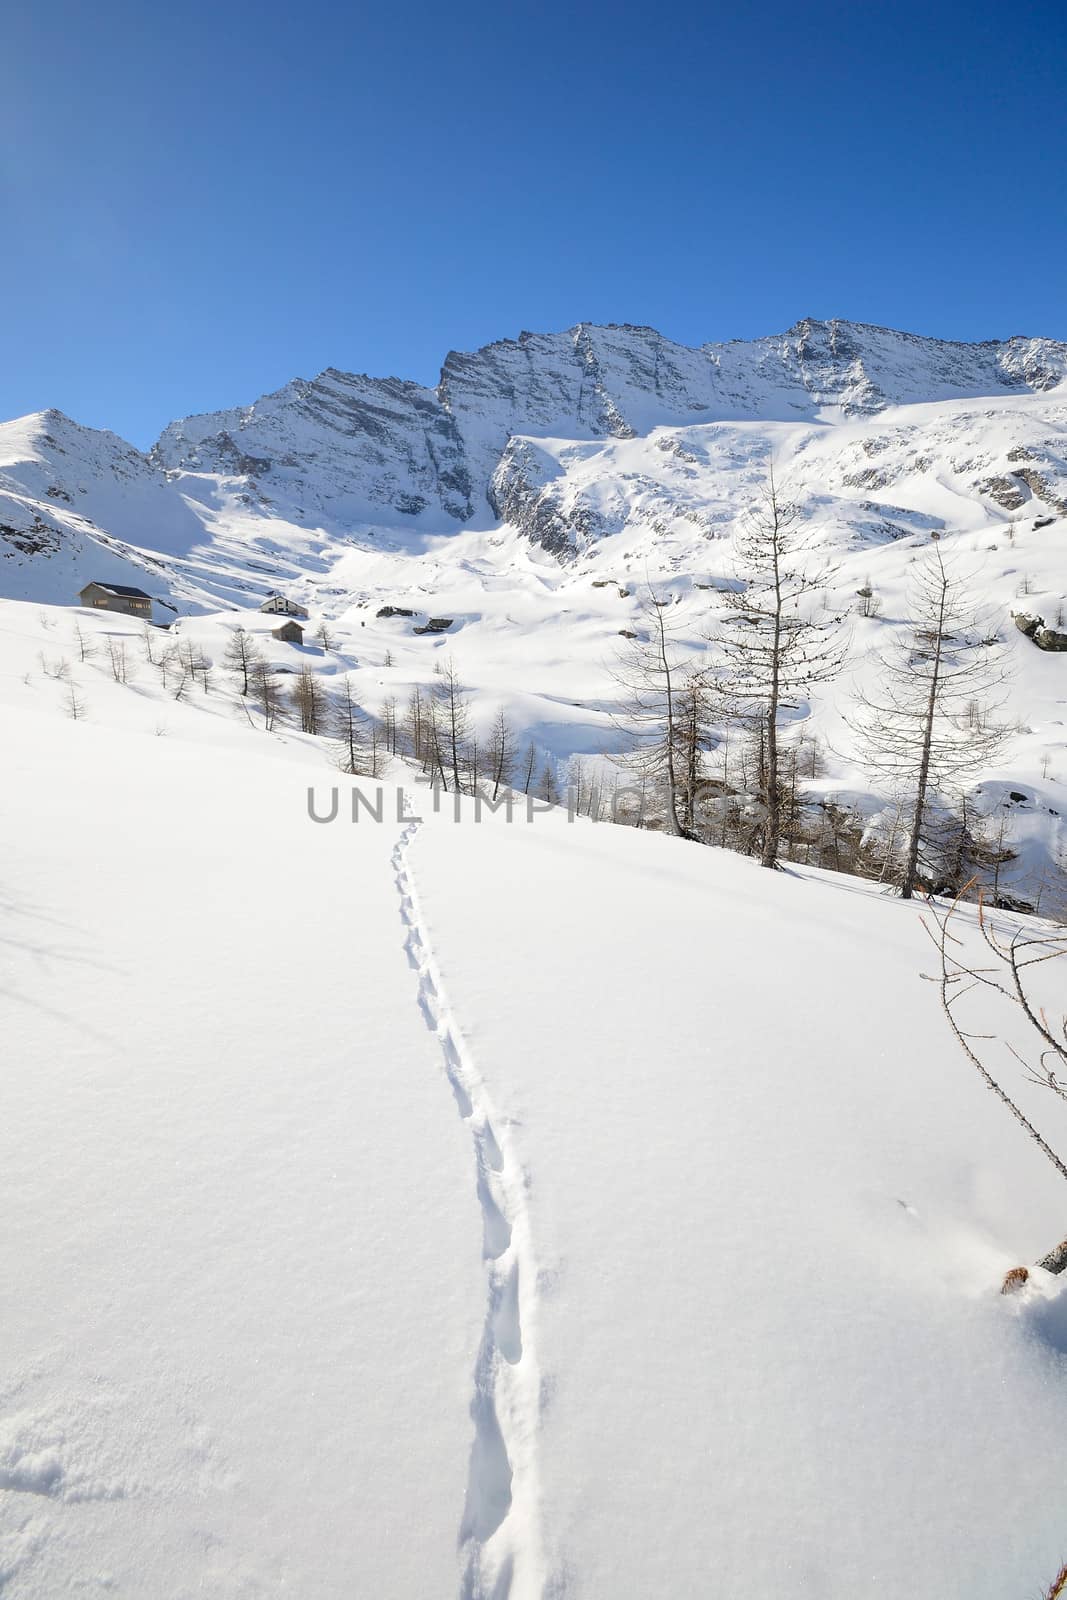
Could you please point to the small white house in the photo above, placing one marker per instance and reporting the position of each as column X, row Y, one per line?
column 278, row 606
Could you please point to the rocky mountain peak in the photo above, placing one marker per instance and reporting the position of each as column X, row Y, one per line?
column 347, row 450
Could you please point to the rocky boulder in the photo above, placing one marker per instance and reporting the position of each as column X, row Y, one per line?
column 1035, row 630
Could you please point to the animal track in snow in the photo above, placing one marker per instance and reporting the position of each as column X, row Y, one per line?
column 500, row 1528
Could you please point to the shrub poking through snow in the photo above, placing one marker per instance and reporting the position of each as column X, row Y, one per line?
column 1058, row 1587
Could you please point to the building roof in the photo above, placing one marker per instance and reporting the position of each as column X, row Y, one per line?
column 117, row 588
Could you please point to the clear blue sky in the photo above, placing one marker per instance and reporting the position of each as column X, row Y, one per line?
column 201, row 202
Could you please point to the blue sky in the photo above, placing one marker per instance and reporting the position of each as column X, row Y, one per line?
column 200, row 203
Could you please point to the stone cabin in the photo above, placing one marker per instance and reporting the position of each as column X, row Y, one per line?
column 289, row 633
column 117, row 597
column 277, row 605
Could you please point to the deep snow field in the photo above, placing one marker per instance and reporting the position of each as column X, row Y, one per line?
column 511, row 1210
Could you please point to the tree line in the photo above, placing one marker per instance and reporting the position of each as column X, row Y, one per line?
column 434, row 727
column 717, row 739
column 717, row 747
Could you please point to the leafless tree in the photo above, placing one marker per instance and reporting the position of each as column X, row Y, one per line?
column 434, row 741
column 694, row 738
column 375, row 745
column 413, row 729
column 776, row 640
column 577, row 788
column 117, row 659
column 453, row 706
column 74, row 702
column 267, row 691
column 870, row 605
column 548, row 787
column 325, row 635
column 150, row 637
column 501, row 752
column 810, row 756
column 529, row 762
column 58, row 668
column 241, row 655
column 390, row 730
column 916, row 727
column 310, row 702
column 84, row 642
column 167, row 664
column 349, row 727
column 656, row 678
column 194, row 664
column 472, row 763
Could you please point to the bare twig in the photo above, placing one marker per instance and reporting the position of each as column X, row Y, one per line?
column 1058, row 1587
column 958, row 978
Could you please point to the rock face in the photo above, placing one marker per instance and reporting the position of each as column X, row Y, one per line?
column 344, row 443
column 340, row 444
column 568, row 438
column 1005, row 492
column 528, row 490
column 1034, row 629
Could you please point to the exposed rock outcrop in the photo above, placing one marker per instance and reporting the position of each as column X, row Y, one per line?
column 344, row 439
column 1035, row 630
column 528, row 491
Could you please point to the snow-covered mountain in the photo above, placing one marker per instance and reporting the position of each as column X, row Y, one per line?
column 505, row 438
column 413, row 448
column 547, row 481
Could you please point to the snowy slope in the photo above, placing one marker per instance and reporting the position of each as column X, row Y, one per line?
column 771, row 1207
column 665, row 1259
column 240, row 1246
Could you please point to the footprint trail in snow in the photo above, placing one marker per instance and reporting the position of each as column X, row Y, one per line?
column 499, row 1533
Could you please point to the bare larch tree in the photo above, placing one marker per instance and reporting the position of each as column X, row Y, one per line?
column 267, row 690
column 349, row 728
column 310, row 702
column 241, row 655
column 776, row 640
column 453, row 720
column 501, row 752
column 658, row 680
column 917, row 726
